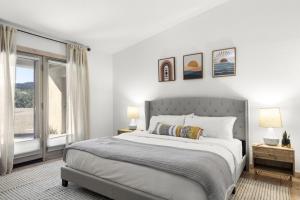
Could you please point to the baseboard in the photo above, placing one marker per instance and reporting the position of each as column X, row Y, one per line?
column 54, row 154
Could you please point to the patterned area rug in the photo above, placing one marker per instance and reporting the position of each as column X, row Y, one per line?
column 43, row 182
column 251, row 189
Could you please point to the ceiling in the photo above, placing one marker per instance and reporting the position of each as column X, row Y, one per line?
column 111, row 24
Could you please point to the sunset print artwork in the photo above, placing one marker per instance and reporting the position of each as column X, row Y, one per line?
column 193, row 66
column 224, row 62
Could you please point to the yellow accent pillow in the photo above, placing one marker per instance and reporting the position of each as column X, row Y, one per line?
column 192, row 132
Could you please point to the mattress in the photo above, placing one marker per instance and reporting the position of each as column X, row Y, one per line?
column 152, row 181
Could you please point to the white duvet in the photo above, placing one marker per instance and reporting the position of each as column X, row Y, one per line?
column 153, row 181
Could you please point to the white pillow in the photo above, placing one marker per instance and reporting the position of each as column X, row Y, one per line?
column 166, row 119
column 216, row 127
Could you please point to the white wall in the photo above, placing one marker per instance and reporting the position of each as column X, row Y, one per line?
column 101, row 93
column 267, row 36
column 100, row 75
column 34, row 42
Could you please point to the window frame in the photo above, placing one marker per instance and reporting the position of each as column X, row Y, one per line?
column 40, row 105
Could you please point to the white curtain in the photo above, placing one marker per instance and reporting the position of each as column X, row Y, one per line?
column 7, row 91
column 77, row 94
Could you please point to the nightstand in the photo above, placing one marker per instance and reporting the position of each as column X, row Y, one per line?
column 274, row 159
column 124, row 130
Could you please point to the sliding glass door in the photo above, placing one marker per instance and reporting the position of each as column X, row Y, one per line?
column 27, row 124
column 40, row 107
column 56, row 104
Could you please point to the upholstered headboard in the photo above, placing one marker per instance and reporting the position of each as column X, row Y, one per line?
column 202, row 106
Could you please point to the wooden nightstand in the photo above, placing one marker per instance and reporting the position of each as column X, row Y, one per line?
column 124, row 130
column 274, row 159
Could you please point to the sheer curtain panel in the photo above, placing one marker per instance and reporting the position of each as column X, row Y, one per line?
column 77, row 94
column 7, row 91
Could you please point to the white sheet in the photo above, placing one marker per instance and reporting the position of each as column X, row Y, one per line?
column 153, row 181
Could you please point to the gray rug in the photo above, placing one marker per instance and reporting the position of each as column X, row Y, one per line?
column 40, row 183
column 250, row 189
column 43, row 182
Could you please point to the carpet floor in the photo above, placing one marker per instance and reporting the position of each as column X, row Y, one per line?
column 43, row 182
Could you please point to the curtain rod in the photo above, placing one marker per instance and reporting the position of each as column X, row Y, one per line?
column 34, row 33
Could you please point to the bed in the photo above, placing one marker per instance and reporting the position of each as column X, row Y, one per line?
column 123, row 180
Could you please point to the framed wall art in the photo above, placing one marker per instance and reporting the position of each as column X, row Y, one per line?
column 224, row 62
column 166, row 69
column 193, row 66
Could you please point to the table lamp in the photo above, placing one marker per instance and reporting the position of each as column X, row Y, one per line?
column 133, row 114
column 270, row 118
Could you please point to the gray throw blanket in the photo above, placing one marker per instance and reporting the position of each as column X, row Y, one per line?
column 208, row 169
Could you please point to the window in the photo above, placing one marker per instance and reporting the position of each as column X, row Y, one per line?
column 24, row 100
column 56, row 103
column 27, row 130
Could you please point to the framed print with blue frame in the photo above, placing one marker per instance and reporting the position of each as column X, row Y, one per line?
column 224, row 62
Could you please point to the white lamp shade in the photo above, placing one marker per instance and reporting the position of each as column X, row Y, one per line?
column 133, row 112
column 270, row 118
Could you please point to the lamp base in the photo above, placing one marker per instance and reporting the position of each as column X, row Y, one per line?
column 132, row 127
column 271, row 141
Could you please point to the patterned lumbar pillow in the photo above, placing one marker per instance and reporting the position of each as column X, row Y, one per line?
column 191, row 132
column 165, row 129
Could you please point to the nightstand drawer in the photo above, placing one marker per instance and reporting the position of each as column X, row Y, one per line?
column 273, row 154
